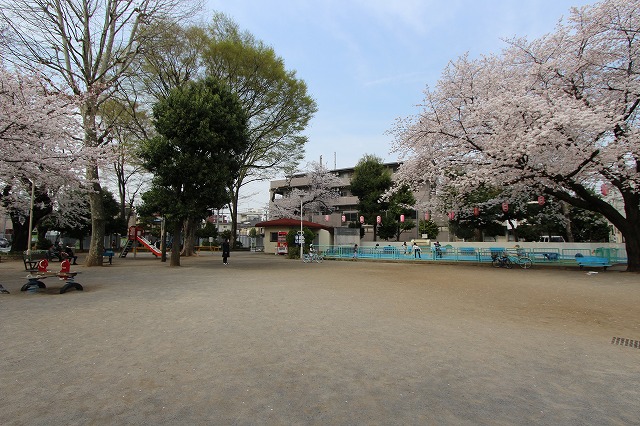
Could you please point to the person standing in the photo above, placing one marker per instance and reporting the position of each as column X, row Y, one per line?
column 355, row 252
column 416, row 251
column 225, row 251
column 436, row 245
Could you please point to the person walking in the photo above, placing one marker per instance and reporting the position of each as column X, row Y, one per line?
column 225, row 251
column 355, row 252
column 404, row 247
column 416, row 251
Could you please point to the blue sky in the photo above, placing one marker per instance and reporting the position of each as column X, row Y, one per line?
column 368, row 62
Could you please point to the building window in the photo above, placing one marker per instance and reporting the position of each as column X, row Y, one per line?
column 351, row 216
column 273, row 237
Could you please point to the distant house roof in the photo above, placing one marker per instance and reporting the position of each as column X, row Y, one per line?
column 291, row 223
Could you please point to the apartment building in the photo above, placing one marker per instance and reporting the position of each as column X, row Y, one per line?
column 346, row 206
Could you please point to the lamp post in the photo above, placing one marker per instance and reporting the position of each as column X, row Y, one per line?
column 301, row 232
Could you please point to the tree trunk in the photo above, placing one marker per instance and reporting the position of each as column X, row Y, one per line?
column 190, row 226
column 565, row 212
column 122, row 187
column 163, row 240
column 96, row 246
column 633, row 253
column 20, row 241
column 175, row 246
column 631, row 234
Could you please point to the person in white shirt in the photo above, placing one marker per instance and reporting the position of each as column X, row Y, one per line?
column 416, row 251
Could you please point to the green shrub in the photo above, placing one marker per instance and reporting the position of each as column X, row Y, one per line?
column 294, row 252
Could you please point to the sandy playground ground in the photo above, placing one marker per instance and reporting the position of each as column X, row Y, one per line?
column 267, row 340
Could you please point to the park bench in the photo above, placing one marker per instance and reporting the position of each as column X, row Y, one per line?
column 42, row 272
column 593, row 261
column 31, row 260
column 467, row 251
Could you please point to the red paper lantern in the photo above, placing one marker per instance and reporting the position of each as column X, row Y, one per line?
column 361, row 219
column 378, row 219
column 476, row 211
column 427, row 216
column 452, row 215
column 326, row 218
column 505, row 207
column 541, row 200
column 604, row 189
column 344, row 218
column 402, row 218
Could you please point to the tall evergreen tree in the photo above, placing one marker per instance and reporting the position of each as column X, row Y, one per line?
column 371, row 179
column 202, row 131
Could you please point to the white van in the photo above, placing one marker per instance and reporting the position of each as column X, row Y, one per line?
column 552, row 239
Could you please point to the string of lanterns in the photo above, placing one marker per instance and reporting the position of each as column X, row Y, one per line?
column 451, row 215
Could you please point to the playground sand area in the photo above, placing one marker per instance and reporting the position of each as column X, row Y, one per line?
column 268, row 340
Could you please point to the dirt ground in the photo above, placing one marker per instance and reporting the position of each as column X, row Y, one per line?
column 267, row 340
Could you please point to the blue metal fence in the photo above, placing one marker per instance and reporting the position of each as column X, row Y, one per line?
column 539, row 255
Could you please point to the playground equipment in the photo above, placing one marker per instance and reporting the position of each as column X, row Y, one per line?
column 136, row 234
column 65, row 274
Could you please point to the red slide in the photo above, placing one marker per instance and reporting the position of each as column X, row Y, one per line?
column 150, row 246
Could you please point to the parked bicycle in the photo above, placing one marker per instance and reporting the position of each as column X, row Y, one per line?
column 501, row 260
column 312, row 256
column 504, row 260
column 524, row 261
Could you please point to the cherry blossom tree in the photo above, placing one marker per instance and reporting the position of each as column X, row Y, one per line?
column 556, row 115
column 319, row 194
column 86, row 47
column 40, row 152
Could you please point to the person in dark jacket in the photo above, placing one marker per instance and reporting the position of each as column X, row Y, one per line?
column 225, row 251
column 54, row 252
column 70, row 255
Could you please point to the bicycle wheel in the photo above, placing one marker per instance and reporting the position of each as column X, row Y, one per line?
column 525, row 262
column 495, row 262
column 306, row 258
column 319, row 258
column 508, row 264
